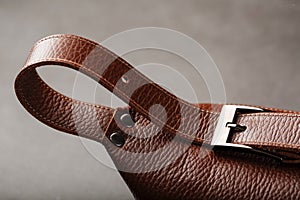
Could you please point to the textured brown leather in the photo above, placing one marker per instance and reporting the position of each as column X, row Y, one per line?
column 218, row 174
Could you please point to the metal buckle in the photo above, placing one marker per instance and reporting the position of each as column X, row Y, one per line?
column 225, row 124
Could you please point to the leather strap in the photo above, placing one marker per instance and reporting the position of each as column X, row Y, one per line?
column 275, row 129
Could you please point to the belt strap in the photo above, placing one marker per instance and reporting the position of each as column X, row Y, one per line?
column 273, row 129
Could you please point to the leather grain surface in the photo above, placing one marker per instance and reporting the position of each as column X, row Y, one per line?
column 198, row 171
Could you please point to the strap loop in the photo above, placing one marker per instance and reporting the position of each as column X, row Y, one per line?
column 278, row 129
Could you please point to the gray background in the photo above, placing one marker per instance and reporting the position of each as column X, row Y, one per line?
column 254, row 43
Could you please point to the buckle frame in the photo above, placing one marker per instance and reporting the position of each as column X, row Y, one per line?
column 226, row 122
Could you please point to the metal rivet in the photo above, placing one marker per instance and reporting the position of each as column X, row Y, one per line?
column 117, row 139
column 126, row 120
column 124, row 79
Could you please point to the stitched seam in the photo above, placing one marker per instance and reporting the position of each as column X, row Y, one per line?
column 109, row 124
column 267, row 108
column 96, row 45
column 38, row 114
column 122, row 93
column 118, row 58
column 183, row 134
column 65, row 97
column 279, row 144
column 292, row 115
column 127, row 64
column 73, row 100
column 197, row 139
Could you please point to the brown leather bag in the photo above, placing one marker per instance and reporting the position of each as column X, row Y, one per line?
column 202, row 151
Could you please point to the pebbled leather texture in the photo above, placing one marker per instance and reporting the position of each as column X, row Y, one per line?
column 198, row 171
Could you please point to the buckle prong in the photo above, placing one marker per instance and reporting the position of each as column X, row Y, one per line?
column 236, row 127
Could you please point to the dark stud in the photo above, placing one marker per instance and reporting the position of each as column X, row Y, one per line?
column 117, row 139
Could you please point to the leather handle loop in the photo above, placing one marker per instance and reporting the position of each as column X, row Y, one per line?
column 275, row 130
column 108, row 69
column 58, row 111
